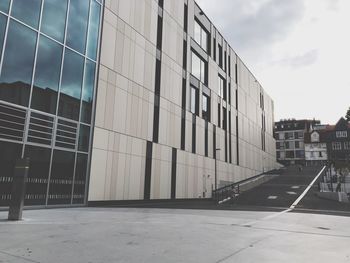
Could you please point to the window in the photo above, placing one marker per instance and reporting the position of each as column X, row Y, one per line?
column 206, row 107
column 297, row 145
column 219, row 115
column 200, row 35
column 346, row 145
column 300, row 154
column 4, row 5
column 72, row 78
column 16, row 74
column 61, row 179
column 77, row 25
column 336, row 146
column 341, row 134
column 220, row 56
column 281, row 136
column 93, row 30
column 224, row 118
column 3, row 20
column 290, row 154
column 27, row 11
column 88, row 92
column 194, row 100
column 84, row 137
column 47, row 75
column 80, row 179
column 199, row 68
column 222, row 88
column 36, row 186
column 54, row 18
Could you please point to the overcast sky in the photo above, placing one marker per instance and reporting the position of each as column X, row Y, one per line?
column 299, row 50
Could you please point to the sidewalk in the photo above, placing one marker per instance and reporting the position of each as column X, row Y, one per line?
column 82, row 235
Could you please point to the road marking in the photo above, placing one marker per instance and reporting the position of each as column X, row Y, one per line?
column 307, row 189
column 272, row 197
column 295, row 187
column 291, row 193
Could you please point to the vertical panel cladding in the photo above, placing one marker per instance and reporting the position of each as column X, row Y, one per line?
column 154, row 105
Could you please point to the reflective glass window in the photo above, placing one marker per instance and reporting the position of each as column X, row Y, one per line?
column 47, row 75
column 4, row 5
column 88, row 90
column 80, row 178
column 84, row 137
column 9, row 153
column 77, row 24
column 200, row 35
column 28, row 11
column 53, row 22
column 72, row 77
column 196, row 66
column 3, row 20
column 199, row 68
column 36, row 186
column 16, row 74
column 61, row 181
column 93, row 30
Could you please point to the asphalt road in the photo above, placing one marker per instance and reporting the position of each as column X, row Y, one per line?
column 281, row 192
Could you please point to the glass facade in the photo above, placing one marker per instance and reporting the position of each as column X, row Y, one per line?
column 48, row 63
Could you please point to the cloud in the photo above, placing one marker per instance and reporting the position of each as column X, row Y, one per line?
column 299, row 61
column 253, row 23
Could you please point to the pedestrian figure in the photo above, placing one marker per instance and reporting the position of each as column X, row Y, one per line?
column 300, row 168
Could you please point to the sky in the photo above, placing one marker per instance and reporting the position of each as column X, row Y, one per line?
column 299, row 50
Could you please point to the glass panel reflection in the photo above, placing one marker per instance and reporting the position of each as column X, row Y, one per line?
column 16, row 75
column 3, row 20
column 47, row 75
column 61, row 180
column 54, row 18
column 80, row 179
column 36, row 186
column 88, row 92
column 72, row 77
column 4, row 5
column 84, row 137
column 9, row 153
column 28, row 11
column 93, row 30
column 77, row 24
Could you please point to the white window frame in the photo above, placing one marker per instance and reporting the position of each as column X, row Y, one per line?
column 336, row 146
column 341, row 134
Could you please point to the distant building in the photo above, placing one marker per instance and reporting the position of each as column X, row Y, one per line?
column 338, row 141
column 316, row 146
column 289, row 136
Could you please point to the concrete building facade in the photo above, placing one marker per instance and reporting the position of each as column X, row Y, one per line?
column 171, row 92
column 148, row 97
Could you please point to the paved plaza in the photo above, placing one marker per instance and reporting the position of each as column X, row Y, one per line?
column 173, row 235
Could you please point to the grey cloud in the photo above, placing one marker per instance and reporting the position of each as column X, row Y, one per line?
column 306, row 59
column 253, row 23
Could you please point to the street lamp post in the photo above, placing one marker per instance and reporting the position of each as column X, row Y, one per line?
column 216, row 176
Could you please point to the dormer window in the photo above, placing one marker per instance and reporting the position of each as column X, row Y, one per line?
column 341, row 134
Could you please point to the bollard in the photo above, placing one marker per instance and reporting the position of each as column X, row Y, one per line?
column 18, row 189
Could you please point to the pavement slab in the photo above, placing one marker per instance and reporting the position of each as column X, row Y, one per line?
column 172, row 235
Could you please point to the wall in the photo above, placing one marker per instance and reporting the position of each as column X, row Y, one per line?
column 124, row 124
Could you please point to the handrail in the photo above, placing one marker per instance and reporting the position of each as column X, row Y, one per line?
column 230, row 191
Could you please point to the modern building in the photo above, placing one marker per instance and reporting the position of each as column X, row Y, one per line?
column 289, row 135
column 125, row 100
